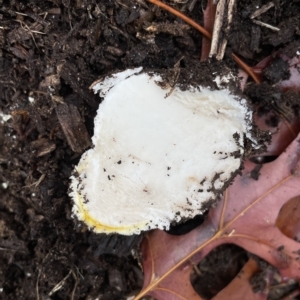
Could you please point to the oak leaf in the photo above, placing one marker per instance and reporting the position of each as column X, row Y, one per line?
column 288, row 220
column 240, row 285
column 246, row 217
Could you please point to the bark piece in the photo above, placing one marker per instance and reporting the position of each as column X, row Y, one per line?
column 42, row 147
column 69, row 73
column 73, row 127
column 221, row 29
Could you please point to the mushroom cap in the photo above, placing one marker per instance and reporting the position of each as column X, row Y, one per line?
column 159, row 155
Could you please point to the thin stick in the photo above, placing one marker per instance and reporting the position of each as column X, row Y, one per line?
column 221, row 51
column 262, row 10
column 246, row 68
column 37, row 285
column 192, row 5
column 266, row 25
column 217, row 28
column 60, row 284
column 182, row 16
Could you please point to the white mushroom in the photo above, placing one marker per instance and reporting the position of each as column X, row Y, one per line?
column 157, row 158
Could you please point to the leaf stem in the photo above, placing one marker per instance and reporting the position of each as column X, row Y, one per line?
column 257, row 200
column 154, row 285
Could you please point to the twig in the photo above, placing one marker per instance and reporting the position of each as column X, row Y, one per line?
column 34, row 17
column 182, row 16
column 219, row 41
column 266, row 25
column 25, row 27
column 192, row 5
column 36, row 184
column 262, row 10
column 38, row 32
column 217, row 28
column 60, row 284
column 221, row 52
column 175, row 77
column 37, row 286
column 196, row 269
column 75, row 285
column 120, row 31
column 70, row 17
column 28, row 29
column 241, row 63
column 7, row 249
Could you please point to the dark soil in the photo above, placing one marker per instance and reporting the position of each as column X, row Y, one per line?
column 50, row 53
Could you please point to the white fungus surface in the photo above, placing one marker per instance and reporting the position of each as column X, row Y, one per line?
column 155, row 157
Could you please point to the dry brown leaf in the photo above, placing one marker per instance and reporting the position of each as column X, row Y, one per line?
column 288, row 220
column 245, row 217
column 282, row 135
column 240, row 286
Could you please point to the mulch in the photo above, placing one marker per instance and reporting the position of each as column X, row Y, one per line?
column 50, row 53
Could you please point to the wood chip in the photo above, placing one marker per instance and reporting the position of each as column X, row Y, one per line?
column 262, row 10
column 19, row 52
column 73, row 127
column 42, row 146
column 69, row 73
